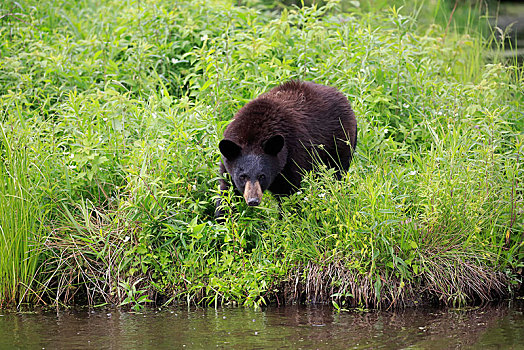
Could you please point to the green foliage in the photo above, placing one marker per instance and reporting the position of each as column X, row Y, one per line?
column 137, row 298
column 113, row 112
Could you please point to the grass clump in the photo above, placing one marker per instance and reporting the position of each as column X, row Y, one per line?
column 117, row 109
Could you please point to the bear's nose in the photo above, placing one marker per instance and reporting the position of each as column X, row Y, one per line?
column 253, row 202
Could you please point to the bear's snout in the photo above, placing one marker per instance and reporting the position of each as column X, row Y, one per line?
column 253, row 193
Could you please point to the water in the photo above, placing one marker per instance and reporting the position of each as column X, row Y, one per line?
column 493, row 327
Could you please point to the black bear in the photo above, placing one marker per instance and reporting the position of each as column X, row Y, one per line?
column 277, row 136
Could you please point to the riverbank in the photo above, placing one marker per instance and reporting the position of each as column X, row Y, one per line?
column 111, row 117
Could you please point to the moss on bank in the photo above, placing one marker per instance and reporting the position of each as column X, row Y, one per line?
column 120, row 108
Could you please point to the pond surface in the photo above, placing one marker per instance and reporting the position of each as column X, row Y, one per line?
column 491, row 327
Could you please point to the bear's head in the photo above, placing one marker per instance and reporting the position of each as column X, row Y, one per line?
column 253, row 169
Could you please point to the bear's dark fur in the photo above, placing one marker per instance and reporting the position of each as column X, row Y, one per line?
column 278, row 135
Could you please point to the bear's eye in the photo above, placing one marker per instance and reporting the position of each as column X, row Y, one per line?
column 261, row 177
column 243, row 177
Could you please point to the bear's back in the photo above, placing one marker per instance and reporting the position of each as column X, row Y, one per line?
column 321, row 110
column 303, row 110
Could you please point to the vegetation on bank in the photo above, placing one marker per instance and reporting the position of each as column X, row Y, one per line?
column 110, row 116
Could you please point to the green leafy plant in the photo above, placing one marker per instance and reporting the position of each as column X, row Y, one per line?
column 135, row 298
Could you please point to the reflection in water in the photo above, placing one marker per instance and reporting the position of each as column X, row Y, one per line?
column 493, row 327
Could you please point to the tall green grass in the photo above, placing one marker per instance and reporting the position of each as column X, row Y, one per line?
column 117, row 109
column 22, row 229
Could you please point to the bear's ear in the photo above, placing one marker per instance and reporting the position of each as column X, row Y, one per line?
column 273, row 145
column 229, row 149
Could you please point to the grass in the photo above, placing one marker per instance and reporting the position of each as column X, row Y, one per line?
column 111, row 115
column 21, row 226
